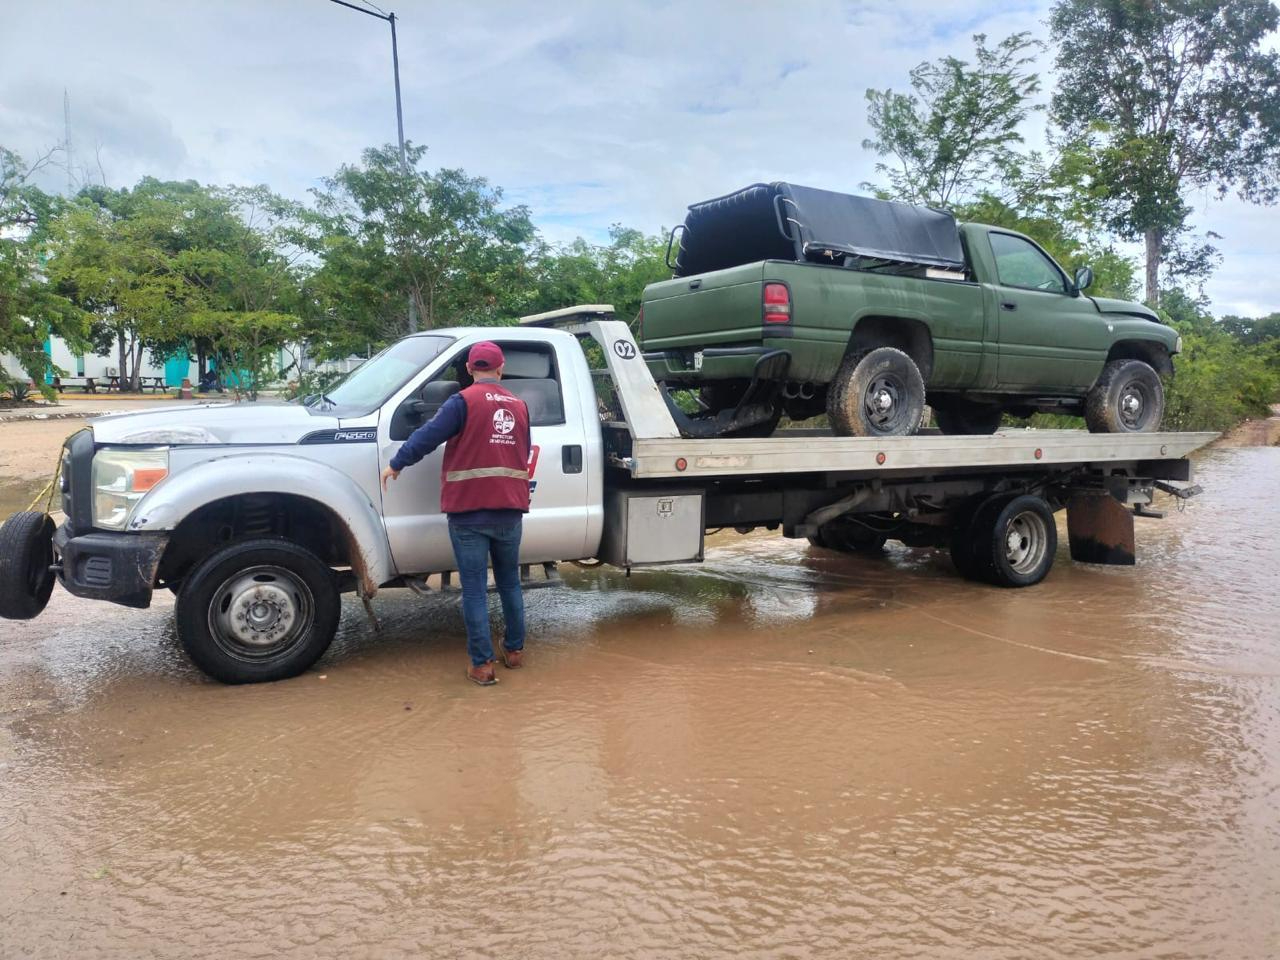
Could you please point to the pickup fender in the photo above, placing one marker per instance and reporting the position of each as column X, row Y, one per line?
column 244, row 473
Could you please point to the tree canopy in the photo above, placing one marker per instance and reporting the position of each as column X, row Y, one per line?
column 1173, row 95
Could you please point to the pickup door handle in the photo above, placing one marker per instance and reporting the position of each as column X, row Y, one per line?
column 694, row 284
column 1008, row 305
column 571, row 458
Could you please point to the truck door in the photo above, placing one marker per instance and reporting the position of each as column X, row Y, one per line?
column 555, row 527
column 1049, row 339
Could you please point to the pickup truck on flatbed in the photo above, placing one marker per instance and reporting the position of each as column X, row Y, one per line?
column 259, row 516
column 787, row 299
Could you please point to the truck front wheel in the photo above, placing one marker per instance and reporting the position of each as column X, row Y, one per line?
column 258, row 610
column 879, row 393
column 1128, row 398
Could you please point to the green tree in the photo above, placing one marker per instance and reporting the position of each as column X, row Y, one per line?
column 1174, row 95
column 1252, row 331
column 244, row 271
column 113, row 256
column 31, row 310
column 386, row 236
column 616, row 272
column 955, row 135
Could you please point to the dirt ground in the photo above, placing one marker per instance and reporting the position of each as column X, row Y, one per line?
column 29, row 448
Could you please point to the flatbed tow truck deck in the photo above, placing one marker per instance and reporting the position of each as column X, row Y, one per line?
column 988, row 499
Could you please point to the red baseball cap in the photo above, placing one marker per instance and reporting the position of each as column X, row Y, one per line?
column 485, row 355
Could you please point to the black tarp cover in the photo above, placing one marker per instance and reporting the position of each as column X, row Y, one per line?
column 743, row 227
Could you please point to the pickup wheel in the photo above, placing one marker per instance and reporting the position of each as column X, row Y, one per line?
column 258, row 610
column 879, row 393
column 1128, row 398
column 966, row 417
column 1012, row 541
column 26, row 559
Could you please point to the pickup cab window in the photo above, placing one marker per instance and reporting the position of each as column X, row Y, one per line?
column 1019, row 263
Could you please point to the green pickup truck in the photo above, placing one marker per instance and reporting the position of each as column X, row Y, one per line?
column 788, row 299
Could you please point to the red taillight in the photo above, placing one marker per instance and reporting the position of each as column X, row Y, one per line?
column 777, row 303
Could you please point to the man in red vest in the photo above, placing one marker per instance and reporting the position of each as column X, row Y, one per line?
column 484, row 490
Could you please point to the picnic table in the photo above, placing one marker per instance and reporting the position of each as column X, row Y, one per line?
column 144, row 384
column 89, row 383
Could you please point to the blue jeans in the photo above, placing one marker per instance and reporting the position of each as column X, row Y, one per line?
column 473, row 546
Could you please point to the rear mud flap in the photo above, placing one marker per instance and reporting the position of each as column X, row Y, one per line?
column 1100, row 529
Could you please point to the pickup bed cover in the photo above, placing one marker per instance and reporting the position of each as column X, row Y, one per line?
column 785, row 221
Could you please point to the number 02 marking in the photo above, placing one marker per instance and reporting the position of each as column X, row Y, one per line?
column 625, row 349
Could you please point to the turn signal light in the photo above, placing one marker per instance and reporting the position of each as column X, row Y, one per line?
column 777, row 303
column 144, row 478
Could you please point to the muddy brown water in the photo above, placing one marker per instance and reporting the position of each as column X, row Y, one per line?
column 781, row 753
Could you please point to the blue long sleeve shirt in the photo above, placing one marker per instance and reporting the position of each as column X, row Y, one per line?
column 447, row 423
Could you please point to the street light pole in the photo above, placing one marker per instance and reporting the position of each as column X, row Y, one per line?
column 404, row 157
column 395, row 66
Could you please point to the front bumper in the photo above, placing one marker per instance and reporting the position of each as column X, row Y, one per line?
column 117, row 567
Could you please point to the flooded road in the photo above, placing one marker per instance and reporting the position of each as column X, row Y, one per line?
column 784, row 752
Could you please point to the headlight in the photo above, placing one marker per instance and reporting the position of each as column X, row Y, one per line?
column 120, row 479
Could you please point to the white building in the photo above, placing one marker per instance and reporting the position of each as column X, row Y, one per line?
column 103, row 366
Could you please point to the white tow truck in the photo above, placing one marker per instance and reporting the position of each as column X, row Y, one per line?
column 259, row 516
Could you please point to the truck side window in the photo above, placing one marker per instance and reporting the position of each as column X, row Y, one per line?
column 1020, row 263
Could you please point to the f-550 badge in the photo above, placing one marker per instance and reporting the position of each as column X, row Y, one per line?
column 340, row 436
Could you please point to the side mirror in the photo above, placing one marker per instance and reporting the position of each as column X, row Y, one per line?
column 432, row 397
column 1084, row 278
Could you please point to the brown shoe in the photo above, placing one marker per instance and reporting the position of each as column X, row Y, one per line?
column 511, row 659
column 482, row 674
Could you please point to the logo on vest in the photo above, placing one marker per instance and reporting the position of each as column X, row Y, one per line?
column 504, row 421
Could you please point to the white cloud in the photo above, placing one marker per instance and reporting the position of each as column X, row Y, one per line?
column 591, row 113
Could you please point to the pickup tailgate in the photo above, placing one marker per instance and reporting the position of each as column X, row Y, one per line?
column 712, row 309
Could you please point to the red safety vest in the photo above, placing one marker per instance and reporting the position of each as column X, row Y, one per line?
column 486, row 466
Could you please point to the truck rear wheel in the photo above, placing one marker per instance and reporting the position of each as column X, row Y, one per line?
column 879, row 393
column 1128, row 398
column 1012, row 541
column 258, row 610
column 26, row 559
column 966, row 417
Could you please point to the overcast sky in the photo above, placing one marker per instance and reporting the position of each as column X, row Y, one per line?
column 590, row 113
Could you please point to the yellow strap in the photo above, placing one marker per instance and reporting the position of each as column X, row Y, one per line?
column 481, row 472
column 51, row 487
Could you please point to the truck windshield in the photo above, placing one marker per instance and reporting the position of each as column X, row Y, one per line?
column 369, row 385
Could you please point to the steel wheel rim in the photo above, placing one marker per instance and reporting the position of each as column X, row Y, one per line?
column 261, row 612
column 1134, row 405
column 884, row 402
column 1026, row 538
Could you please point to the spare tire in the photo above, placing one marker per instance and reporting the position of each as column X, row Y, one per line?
column 26, row 565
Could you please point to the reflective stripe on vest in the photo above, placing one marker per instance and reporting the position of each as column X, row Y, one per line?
column 481, row 472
